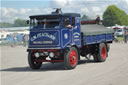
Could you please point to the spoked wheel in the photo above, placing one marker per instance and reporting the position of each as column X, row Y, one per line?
column 102, row 53
column 71, row 58
column 32, row 63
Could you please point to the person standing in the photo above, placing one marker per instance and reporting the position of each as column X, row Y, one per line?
column 25, row 39
column 125, row 36
column 15, row 39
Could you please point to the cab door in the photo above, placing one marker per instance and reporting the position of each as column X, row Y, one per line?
column 66, row 33
column 76, row 31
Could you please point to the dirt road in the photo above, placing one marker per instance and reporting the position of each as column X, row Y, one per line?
column 15, row 70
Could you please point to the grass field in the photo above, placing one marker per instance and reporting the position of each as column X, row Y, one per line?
column 120, row 38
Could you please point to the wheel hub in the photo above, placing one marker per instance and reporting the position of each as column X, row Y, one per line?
column 73, row 58
column 103, row 53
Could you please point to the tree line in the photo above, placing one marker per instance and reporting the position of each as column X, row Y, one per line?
column 17, row 23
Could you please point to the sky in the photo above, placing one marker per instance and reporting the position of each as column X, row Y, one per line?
column 13, row 9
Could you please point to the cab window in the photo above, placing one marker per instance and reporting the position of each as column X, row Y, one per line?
column 66, row 21
column 45, row 23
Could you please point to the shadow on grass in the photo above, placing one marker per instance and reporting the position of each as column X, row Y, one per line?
column 45, row 67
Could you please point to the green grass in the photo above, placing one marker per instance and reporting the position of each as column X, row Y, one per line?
column 120, row 38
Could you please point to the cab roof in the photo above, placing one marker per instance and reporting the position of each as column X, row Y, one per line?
column 56, row 15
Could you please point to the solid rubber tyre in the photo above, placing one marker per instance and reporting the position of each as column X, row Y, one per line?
column 71, row 58
column 102, row 53
column 32, row 63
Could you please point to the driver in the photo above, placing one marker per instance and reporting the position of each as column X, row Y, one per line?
column 66, row 23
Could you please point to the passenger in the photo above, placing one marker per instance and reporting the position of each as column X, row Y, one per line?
column 46, row 25
column 38, row 25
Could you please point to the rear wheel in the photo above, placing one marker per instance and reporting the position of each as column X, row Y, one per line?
column 102, row 53
column 71, row 58
column 32, row 63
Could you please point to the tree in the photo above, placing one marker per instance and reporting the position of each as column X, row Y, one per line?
column 114, row 15
column 5, row 24
column 20, row 23
column 85, row 17
column 17, row 23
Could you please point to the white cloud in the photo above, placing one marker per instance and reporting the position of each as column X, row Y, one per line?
column 126, row 2
column 4, row 11
column 59, row 3
column 36, row 9
column 7, row 11
column 123, row 4
column 23, row 11
column 89, row 7
column 15, row 17
column 96, row 9
column 84, row 10
column 12, row 10
column 10, row 14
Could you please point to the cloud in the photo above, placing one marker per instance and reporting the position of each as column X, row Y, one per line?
column 4, row 11
column 122, row 4
column 89, row 7
column 126, row 2
column 96, row 9
column 23, row 11
column 60, row 3
column 10, row 14
column 84, row 10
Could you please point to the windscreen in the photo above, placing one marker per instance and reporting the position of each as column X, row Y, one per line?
column 45, row 23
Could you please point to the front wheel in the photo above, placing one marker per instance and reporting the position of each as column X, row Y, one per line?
column 71, row 58
column 32, row 63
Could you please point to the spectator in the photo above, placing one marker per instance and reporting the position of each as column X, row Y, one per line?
column 126, row 36
column 11, row 40
column 25, row 40
column 15, row 39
